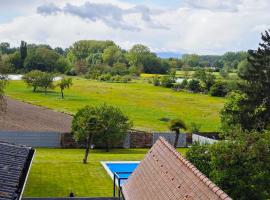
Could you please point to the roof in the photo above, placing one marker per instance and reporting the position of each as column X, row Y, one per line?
column 22, row 116
column 165, row 174
column 15, row 162
column 72, row 198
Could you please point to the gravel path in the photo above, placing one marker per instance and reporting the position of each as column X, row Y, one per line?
column 22, row 116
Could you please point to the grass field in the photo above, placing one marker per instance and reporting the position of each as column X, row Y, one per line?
column 57, row 172
column 142, row 102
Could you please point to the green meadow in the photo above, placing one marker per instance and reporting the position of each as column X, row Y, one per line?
column 146, row 105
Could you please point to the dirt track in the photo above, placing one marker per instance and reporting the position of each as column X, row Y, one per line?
column 26, row 117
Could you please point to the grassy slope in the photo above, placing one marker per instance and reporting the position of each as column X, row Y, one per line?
column 142, row 102
column 57, row 172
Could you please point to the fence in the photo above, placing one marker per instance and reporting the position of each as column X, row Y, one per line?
column 137, row 139
column 33, row 139
column 202, row 139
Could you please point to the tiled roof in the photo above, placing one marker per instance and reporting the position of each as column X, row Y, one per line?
column 166, row 175
column 72, row 198
column 14, row 165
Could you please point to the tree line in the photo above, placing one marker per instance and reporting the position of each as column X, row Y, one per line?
column 92, row 57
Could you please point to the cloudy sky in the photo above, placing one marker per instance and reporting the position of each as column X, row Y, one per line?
column 186, row 26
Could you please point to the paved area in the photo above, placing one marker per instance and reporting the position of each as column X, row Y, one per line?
column 22, row 116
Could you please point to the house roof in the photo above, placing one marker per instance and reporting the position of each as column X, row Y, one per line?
column 15, row 162
column 165, row 174
column 22, row 116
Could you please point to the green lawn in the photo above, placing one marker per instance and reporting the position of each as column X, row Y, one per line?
column 57, row 172
column 142, row 102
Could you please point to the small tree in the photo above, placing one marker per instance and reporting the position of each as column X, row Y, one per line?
column 64, row 83
column 85, row 125
column 46, row 81
column 32, row 79
column 176, row 125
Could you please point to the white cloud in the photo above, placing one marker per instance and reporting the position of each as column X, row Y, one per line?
column 203, row 26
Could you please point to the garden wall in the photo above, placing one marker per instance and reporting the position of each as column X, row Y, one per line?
column 32, row 139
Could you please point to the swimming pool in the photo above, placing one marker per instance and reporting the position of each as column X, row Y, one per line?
column 122, row 169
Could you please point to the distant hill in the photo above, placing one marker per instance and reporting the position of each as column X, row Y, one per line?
column 169, row 55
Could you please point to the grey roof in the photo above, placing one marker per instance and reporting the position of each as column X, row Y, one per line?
column 14, row 165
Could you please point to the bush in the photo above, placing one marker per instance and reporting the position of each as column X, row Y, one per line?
column 105, row 77
column 219, row 89
column 194, row 85
column 184, row 84
column 200, row 157
column 126, row 78
column 166, row 81
column 156, row 81
column 241, row 167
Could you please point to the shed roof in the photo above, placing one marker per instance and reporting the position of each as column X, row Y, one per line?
column 14, row 165
column 165, row 174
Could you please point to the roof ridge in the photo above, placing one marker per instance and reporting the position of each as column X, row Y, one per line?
column 219, row 192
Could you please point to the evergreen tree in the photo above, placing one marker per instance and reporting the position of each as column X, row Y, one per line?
column 253, row 110
column 23, row 50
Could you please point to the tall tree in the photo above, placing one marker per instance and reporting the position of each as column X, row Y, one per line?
column 253, row 104
column 23, row 50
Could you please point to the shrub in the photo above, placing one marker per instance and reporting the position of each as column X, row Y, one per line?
column 105, row 77
column 194, row 85
column 184, row 84
column 219, row 89
column 166, row 81
column 156, row 81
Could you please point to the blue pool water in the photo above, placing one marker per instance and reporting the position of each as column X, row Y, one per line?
column 122, row 170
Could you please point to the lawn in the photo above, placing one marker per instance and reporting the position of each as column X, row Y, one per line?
column 57, row 172
column 144, row 103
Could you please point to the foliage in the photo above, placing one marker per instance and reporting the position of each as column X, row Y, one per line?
column 219, row 89
column 240, row 167
column 38, row 79
column 207, row 79
column 85, row 125
column 6, row 49
column 156, row 81
column 166, row 81
column 115, row 126
column 64, row 83
column 102, row 123
column 42, row 59
column 23, row 50
column 251, row 109
column 82, row 49
column 176, row 125
column 194, row 85
column 199, row 156
column 112, row 54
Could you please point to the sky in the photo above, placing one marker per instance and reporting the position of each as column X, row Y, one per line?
column 181, row 26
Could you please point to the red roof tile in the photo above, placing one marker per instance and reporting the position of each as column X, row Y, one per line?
column 166, row 175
